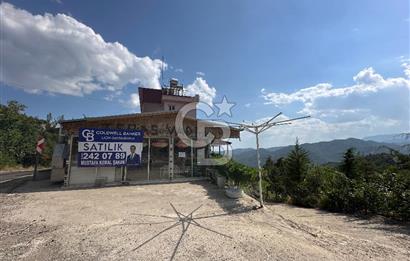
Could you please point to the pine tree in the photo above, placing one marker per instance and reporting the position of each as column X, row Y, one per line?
column 269, row 164
column 349, row 164
column 297, row 163
column 296, row 166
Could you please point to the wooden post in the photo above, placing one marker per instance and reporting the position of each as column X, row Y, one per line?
column 259, row 169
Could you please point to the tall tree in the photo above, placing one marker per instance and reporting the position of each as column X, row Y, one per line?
column 296, row 167
column 348, row 166
column 269, row 164
column 297, row 163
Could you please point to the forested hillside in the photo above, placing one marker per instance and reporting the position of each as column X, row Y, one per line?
column 320, row 152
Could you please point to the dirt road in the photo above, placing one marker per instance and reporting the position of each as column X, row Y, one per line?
column 39, row 222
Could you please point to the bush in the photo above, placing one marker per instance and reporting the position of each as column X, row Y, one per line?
column 309, row 190
column 335, row 192
column 241, row 175
column 399, row 198
column 274, row 183
column 19, row 133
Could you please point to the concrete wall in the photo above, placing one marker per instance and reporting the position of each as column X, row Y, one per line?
column 178, row 106
column 151, row 107
column 88, row 176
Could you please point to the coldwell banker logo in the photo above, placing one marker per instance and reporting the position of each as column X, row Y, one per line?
column 88, row 134
column 202, row 137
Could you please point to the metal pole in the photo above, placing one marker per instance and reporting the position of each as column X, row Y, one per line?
column 60, row 134
column 259, row 168
column 171, row 158
column 69, row 162
column 149, row 157
column 125, row 173
column 36, row 165
column 192, row 158
column 255, row 130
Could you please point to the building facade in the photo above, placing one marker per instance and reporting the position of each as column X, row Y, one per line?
column 165, row 154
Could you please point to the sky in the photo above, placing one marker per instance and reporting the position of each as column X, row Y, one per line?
column 344, row 63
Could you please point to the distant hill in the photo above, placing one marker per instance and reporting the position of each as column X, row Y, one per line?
column 319, row 153
column 400, row 138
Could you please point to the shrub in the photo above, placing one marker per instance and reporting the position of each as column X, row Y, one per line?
column 274, row 184
column 376, row 184
column 310, row 188
column 335, row 191
column 399, row 199
column 239, row 174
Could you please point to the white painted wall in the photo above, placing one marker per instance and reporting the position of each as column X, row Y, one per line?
column 87, row 176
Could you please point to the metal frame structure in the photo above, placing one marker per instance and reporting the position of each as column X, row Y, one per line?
column 257, row 129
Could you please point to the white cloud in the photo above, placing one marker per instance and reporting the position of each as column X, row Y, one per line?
column 366, row 81
column 369, row 93
column 372, row 105
column 58, row 54
column 200, row 86
column 406, row 66
column 134, row 100
column 200, row 74
column 247, row 105
column 315, row 130
column 112, row 95
column 179, row 70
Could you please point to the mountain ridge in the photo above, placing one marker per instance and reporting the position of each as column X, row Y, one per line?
column 398, row 138
column 319, row 152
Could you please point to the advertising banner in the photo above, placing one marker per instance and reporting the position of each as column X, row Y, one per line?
column 109, row 147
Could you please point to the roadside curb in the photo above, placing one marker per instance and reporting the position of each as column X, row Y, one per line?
column 8, row 186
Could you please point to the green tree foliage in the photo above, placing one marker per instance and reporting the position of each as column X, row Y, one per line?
column 274, row 174
column 296, row 167
column 297, row 163
column 373, row 184
column 19, row 134
column 349, row 164
column 399, row 195
column 240, row 174
column 335, row 190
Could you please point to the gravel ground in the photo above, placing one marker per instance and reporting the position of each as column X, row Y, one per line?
column 184, row 221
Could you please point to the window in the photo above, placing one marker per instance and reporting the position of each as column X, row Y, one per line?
column 171, row 107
